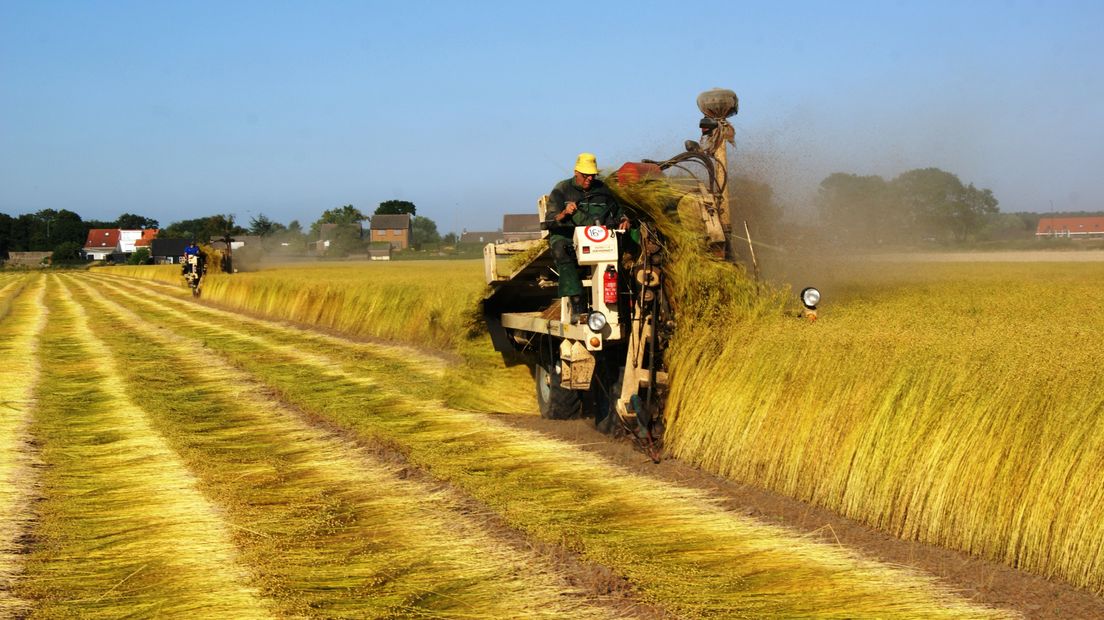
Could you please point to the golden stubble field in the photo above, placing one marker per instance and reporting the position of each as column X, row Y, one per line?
column 166, row 457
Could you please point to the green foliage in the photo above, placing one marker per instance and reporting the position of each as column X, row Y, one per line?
column 450, row 238
column 343, row 216
column 344, row 241
column 857, row 208
column 141, row 256
column 395, row 207
column 424, row 232
column 262, row 226
column 940, row 204
column 926, row 203
column 131, row 221
column 5, row 233
column 202, row 229
column 67, row 252
column 40, row 231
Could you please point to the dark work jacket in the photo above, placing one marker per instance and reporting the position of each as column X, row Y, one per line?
column 597, row 203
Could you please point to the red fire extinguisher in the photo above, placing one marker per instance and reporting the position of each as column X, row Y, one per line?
column 609, row 285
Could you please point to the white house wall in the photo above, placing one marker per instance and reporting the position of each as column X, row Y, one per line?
column 127, row 239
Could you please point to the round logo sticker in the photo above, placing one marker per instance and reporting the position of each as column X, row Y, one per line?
column 597, row 234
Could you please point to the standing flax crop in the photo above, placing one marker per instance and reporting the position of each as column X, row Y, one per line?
column 954, row 404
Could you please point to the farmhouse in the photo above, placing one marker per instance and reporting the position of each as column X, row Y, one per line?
column 128, row 239
column 102, row 242
column 475, row 236
column 394, row 229
column 521, row 227
column 1070, row 227
column 148, row 235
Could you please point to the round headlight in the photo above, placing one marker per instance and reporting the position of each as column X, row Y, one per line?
column 810, row 297
column 596, row 321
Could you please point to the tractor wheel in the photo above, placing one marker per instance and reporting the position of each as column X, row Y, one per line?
column 556, row 403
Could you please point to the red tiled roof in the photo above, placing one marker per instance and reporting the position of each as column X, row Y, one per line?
column 1073, row 225
column 102, row 238
column 148, row 235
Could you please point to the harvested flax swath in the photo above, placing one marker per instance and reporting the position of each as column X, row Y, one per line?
column 21, row 320
column 121, row 528
column 318, row 520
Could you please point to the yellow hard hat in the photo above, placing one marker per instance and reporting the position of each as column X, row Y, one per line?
column 586, row 163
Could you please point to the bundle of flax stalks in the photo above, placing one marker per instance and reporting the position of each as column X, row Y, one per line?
column 711, row 296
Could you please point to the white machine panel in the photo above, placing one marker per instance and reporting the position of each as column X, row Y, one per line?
column 595, row 244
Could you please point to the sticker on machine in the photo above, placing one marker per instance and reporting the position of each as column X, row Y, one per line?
column 597, row 234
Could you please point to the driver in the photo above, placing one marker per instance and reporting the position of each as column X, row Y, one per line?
column 582, row 200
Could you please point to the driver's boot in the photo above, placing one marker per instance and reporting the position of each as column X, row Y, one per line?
column 578, row 309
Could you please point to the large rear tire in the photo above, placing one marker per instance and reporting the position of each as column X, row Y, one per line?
column 555, row 402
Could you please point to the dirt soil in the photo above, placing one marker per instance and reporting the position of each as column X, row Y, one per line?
column 1001, row 256
column 986, row 582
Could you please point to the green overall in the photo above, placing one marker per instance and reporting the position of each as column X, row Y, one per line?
column 596, row 205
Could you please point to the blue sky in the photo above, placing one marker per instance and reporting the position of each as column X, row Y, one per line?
column 472, row 110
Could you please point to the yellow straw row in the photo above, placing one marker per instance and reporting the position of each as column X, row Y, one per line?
column 20, row 325
column 325, row 528
column 122, row 528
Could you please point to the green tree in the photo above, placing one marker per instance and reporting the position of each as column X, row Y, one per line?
column 6, row 222
column 47, row 228
column 202, row 229
column 346, row 240
column 141, row 256
column 186, row 229
column 972, row 209
column 424, row 232
column 131, row 221
column 858, row 209
column 262, row 226
column 450, row 239
column 22, row 229
column 940, row 205
column 343, row 216
column 66, row 226
column 67, row 252
column 396, row 207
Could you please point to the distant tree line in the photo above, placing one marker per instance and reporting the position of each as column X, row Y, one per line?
column 921, row 204
column 46, row 230
column 64, row 232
